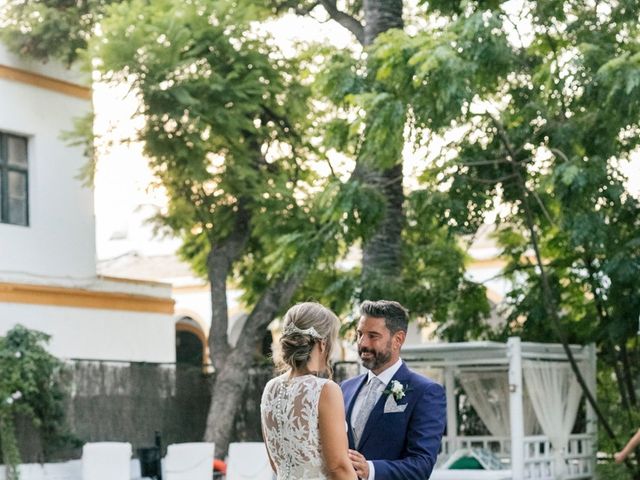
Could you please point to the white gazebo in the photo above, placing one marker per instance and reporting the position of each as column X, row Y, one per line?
column 528, row 398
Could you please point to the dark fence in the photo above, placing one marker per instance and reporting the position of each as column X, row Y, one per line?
column 111, row 401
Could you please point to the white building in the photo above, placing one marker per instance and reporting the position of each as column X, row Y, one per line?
column 48, row 278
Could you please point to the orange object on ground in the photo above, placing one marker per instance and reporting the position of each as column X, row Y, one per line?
column 219, row 466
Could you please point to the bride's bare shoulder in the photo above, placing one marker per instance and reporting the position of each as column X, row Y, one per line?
column 331, row 393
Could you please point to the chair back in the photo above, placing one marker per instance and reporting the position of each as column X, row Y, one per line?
column 106, row 461
column 248, row 460
column 189, row 461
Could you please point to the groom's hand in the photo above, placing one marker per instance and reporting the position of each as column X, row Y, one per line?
column 359, row 464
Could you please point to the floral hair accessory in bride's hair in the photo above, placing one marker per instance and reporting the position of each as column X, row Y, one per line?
column 291, row 329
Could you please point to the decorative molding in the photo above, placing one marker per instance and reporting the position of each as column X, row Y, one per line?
column 78, row 298
column 204, row 288
column 134, row 281
column 42, row 81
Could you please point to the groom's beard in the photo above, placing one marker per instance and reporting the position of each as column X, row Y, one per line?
column 378, row 359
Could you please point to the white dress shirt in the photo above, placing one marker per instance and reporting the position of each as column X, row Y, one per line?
column 384, row 377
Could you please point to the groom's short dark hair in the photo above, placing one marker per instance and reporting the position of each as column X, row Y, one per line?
column 396, row 317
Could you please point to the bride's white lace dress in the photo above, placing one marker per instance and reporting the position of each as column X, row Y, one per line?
column 289, row 410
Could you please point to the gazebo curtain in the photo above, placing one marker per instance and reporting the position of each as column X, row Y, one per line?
column 488, row 393
column 555, row 395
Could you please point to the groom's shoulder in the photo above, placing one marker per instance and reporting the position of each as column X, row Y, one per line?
column 350, row 382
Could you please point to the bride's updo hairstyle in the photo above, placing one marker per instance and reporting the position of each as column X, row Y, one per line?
column 306, row 324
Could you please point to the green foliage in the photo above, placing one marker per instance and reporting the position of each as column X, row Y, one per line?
column 612, row 471
column 219, row 133
column 626, row 421
column 45, row 29
column 557, row 126
column 81, row 135
column 542, row 128
column 433, row 284
column 536, row 121
column 29, row 386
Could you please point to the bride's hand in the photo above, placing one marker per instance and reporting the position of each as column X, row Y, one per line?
column 359, row 463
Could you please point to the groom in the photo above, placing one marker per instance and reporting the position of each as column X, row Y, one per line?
column 395, row 416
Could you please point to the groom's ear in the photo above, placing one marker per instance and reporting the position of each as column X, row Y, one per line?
column 399, row 337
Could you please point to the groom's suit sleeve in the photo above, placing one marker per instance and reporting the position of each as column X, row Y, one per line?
column 423, row 438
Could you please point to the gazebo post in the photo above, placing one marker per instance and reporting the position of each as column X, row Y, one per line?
column 514, row 354
column 452, row 420
column 592, row 419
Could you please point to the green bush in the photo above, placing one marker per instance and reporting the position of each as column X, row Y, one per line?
column 612, row 471
column 29, row 386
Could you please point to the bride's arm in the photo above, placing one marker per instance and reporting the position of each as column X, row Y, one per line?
column 333, row 434
column 273, row 465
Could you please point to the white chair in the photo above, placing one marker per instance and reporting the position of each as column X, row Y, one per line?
column 248, row 460
column 189, row 461
column 106, row 461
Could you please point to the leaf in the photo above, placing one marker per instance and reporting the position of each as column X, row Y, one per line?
column 569, row 174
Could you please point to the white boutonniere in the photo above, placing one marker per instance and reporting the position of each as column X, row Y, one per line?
column 396, row 389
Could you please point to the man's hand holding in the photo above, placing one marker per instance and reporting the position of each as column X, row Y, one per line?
column 359, row 463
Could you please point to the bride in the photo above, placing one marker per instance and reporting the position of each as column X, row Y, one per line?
column 303, row 418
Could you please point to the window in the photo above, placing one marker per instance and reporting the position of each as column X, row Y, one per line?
column 14, row 201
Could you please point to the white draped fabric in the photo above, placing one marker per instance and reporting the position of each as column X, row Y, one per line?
column 488, row 393
column 555, row 395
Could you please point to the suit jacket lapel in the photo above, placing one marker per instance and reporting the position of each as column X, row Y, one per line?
column 402, row 375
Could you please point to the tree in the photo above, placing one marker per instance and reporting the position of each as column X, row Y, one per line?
column 227, row 150
column 407, row 254
column 541, row 132
column 230, row 155
column 382, row 250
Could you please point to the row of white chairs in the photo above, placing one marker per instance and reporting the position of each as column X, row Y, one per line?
column 184, row 461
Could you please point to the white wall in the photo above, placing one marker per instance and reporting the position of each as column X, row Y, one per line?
column 59, row 241
column 200, row 304
column 97, row 334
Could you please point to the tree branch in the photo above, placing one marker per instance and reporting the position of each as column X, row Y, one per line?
column 344, row 19
column 549, row 301
column 302, row 11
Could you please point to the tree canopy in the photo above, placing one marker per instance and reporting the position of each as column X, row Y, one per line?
column 519, row 111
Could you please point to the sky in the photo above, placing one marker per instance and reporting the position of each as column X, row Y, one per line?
column 124, row 195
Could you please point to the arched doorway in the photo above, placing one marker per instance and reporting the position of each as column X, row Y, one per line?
column 191, row 343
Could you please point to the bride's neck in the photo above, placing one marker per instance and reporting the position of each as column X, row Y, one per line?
column 315, row 364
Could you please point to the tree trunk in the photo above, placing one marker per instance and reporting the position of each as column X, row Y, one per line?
column 231, row 370
column 219, row 266
column 380, row 16
column 382, row 253
column 226, row 393
column 382, row 258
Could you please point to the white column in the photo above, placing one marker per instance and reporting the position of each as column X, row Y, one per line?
column 452, row 408
column 516, row 417
column 592, row 419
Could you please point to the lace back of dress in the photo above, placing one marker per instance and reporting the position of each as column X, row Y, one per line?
column 290, row 421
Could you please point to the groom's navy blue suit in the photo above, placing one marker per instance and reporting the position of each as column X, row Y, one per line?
column 402, row 445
